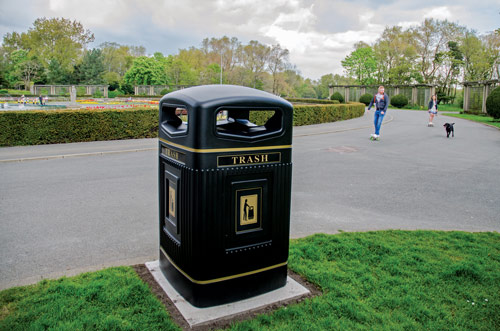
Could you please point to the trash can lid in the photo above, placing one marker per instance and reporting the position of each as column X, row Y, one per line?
column 224, row 94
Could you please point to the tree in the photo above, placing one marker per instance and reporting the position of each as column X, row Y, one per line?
column 179, row 72
column 254, row 57
column 361, row 65
column 25, row 68
column 56, row 38
column 278, row 61
column 146, row 71
column 56, row 74
column 118, row 58
column 430, row 39
column 92, row 68
column 395, row 57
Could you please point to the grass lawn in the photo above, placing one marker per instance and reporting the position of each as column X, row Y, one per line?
column 447, row 108
column 383, row 280
column 478, row 118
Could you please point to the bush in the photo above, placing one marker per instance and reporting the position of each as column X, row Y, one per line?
column 166, row 91
column 493, row 103
column 366, row 98
column 4, row 92
column 337, row 96
column 311, row 101
column 399, row 101
column 64, row 126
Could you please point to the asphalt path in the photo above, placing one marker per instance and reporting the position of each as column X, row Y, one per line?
column 69, row 208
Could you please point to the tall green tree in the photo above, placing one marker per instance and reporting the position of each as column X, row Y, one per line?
column 56, row 38
column 92, row 68
column 361, row 65
column 147, row 71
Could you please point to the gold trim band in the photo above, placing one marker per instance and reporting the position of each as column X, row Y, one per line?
column 216, row 280
column 219, row 150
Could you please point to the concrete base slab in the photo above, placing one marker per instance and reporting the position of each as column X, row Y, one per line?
column 200, row 316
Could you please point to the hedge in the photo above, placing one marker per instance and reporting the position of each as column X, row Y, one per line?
column 312, row 101
column 64, row 126
column 19, row 128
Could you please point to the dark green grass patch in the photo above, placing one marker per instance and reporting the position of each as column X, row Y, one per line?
column 383, row 280
column 478, row 118
column 111, row 299
column 394, row 280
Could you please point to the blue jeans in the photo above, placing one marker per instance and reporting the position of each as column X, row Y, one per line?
column 377, row 120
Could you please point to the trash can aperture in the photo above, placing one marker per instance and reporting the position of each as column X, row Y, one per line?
column 225, row 174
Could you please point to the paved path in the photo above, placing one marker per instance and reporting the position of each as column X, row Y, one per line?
column 71, row 208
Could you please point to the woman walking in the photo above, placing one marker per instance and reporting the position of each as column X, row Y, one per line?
column 433, row 109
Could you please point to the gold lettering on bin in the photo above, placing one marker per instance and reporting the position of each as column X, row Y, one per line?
column 244, row 159
column 172, row 154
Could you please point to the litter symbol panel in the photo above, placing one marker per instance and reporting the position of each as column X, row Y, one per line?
column 171, row 201
column 248, row 209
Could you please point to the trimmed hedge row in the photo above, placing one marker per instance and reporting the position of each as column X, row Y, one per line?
column 315, row 114
column 64, row 126
column 19, row 128
column 312, row 101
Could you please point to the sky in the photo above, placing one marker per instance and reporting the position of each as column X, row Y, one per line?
column 318, row 33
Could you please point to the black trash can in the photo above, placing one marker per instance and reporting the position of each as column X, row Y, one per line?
column 225, row 174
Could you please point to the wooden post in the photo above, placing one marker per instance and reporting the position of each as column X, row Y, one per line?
column 105, row 91
column 330, row 91
column 346, row 94
column 136, row 90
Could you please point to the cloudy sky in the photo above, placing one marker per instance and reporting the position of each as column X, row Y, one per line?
column 318, row 33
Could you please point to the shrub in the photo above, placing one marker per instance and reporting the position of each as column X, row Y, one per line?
column 311, row 101
column 337, row 96
column 64, row 126
column 165, row 91
column 97, row 94
column 4, row 92
column 366, row 98
column 493, row 103
column 399, row 101
column 39, row 127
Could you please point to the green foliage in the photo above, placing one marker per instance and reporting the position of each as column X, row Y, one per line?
column 366, row 98
column 399, row 101
column 361, row 64
column 147, row 71
column 316, row 114
column 393, row 280
column 4, row 92
column 64, row 126
column 493, row 103
column 91, row 70
column 110, row 299
column 480, row 118
column 312, row 101
column 337, row 96
column 52, row 127
column 55, row 38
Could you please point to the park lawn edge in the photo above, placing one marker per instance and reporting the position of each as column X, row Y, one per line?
column 389, row 279
column 471, row 117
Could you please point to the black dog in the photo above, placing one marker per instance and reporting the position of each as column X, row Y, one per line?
column 449, row 129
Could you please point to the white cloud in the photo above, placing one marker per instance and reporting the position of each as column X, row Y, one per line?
column 318, row 33
column 440, row 13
